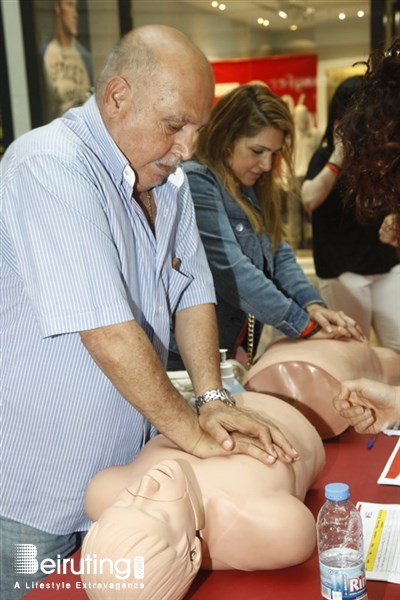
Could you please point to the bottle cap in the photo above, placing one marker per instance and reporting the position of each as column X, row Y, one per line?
column 337, row 491
column 222, row 354
column 225, row 365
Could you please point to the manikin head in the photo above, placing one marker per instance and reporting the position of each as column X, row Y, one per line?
column 149, row 536
column 66, row 13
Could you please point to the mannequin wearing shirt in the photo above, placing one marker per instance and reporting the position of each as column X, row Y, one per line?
column 67, row 66
column 166, row 495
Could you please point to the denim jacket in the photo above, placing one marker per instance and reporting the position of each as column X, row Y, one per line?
column 249, row 276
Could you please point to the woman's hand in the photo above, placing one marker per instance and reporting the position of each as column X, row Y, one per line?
column 389, row 233
column 246, row 431
column 368, row 406
column 334, row 324
column 337, row 155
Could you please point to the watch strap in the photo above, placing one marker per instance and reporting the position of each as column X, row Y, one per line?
column 211, row 395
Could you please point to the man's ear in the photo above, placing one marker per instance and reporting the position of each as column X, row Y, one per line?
column 117, row 96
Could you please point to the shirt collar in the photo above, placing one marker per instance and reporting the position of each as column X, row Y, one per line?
column 176, row 178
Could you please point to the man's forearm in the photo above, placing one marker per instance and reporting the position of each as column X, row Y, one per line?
column 126, row 356
column 196, row 334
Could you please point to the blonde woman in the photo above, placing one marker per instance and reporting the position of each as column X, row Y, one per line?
column 236, row 181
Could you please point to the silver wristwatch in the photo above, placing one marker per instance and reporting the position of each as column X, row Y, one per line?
column 212, row 395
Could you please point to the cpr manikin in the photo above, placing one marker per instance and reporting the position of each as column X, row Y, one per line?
column 308, row 374
column 180, row 512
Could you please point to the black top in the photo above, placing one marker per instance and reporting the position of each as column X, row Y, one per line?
column 340, row 243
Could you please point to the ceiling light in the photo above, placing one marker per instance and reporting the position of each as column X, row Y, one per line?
column 293, row 27
column 222, row 6
column 265, row 22
column 342, row 16
column 214, row 4
column 360, row 13
column 283, row 14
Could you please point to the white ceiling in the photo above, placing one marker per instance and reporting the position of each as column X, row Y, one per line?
column 303, row 13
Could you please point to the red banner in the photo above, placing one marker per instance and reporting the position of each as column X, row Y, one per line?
column 294, row 76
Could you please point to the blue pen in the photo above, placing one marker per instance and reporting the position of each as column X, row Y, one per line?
column 371, row 442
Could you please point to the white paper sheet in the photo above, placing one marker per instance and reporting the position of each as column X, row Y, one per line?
column 381, row 528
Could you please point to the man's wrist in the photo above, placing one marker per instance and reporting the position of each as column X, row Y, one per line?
column 211, row 395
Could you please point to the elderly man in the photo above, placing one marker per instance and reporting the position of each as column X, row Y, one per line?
column 100, row 249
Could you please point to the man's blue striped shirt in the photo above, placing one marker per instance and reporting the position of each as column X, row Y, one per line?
column 77, row 253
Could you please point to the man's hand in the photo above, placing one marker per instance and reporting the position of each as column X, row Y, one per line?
column 232, row 430
column 368, row 406
column 334, row 324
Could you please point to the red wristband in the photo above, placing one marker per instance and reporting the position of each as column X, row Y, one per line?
column 311, row 328
column 334, row 168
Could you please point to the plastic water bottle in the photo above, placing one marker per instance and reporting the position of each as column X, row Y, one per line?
column 340, row 546
column 229, row 381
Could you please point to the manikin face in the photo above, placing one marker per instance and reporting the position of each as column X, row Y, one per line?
column 156, row 124
column 155, row 518
column 253, row 156
column 68, row 14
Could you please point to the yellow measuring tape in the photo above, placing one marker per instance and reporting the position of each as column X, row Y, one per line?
column 375, row 540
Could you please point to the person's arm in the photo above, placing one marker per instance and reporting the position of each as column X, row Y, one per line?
column 315, row 190
column 368, row 406
column 291, row 278
column 127, row 358
column 196, row 334
column 197, row 337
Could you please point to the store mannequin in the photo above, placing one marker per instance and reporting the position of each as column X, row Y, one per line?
column 308, row 374
column 248, row 516
column 307, row 137
column 67, row 64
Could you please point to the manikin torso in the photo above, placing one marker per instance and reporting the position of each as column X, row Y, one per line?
column 254, row 516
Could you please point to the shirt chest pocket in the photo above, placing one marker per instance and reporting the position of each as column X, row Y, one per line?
column 248, row 240
column 175, row 283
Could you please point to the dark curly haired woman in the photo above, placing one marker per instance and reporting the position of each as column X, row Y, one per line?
column 371, row 141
